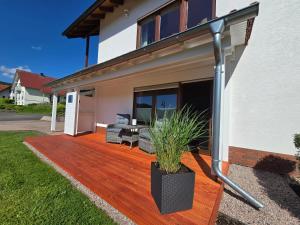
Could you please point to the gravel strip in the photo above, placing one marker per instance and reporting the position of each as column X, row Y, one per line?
column 117, row 216
column 282, row 205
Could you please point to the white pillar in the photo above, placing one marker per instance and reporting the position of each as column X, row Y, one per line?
column 77, row 90
column 54, row 110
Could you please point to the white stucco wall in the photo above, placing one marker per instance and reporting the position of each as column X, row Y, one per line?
column 25, row 96
column 35, row 96
column 264, row 86
column 118, row 33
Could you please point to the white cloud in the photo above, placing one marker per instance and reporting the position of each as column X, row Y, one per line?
column 37, row 48
column 10, row 72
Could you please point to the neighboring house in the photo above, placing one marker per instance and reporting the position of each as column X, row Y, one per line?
column 4, row 89
column 155, row 56
column 28, row 88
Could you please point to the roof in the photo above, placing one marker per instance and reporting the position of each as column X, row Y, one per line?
column 249, row 13
column 88, row 23
column 33, row 80
column 4, row 87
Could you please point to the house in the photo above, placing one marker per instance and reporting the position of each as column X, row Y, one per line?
column 155, row 55
column 28, row 88
column 218, row 56
column 4, row 89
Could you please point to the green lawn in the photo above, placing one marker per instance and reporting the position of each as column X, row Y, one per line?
column 31, row 192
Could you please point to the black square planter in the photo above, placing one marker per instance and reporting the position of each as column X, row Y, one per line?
column 172, row 192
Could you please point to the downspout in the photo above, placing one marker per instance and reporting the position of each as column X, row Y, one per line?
column 216, row 28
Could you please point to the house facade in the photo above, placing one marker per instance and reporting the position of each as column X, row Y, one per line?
column 28, row 88
column 4, row 89
column 155, row 56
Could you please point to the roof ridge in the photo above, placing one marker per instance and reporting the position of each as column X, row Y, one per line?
column 38, row 74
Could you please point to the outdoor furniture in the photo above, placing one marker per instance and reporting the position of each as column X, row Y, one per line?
column 130, row 134
column 114, row 131
column 145, row 141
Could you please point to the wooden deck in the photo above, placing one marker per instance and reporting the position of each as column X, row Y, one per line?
column 121, row 176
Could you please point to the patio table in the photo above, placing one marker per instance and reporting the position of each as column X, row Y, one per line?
column 130, row 133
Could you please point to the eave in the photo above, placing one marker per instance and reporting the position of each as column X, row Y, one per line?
column 88, row 23
column 246, row 14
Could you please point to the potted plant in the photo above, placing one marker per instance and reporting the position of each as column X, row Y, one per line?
column 172, row 183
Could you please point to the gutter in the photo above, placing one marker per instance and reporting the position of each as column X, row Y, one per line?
column 250, row 11
column 216, row 29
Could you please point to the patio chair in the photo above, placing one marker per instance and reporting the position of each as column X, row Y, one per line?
column 114, row 131
column 145, row 141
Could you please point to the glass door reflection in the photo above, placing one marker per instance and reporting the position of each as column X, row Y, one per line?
column 165, row 105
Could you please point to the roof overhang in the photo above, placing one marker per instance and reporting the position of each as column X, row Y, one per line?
column 88, row 23
column 238, row 24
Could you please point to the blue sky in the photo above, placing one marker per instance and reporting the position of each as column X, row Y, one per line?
column 31, row 37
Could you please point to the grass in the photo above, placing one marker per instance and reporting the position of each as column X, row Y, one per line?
column 32, row 192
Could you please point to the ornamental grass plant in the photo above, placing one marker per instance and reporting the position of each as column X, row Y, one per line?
column 171, row 136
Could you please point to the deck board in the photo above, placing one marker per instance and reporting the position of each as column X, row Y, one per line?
column 121, row 176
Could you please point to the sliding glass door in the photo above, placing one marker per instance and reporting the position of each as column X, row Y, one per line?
column 143, row 109
column 149, row 105
column 165, row 105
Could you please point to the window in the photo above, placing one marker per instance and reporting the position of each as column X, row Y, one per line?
column 70, row 99
column 173, row 18
column 169, row 22
column 198, row 11
column 165, row 105
column 147, row 32
column 143, row 109
column 152, row 104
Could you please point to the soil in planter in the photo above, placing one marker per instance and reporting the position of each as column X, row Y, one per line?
column 183, row 169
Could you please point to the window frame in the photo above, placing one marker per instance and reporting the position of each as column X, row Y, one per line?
column 183, row 18
column 154, row 94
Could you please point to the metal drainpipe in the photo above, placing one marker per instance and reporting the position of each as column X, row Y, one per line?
column 216, row 29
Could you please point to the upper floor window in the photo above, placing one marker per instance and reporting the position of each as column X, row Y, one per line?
column 173, row 18
column 169, row 21
column 147, row 31
column 199, row 11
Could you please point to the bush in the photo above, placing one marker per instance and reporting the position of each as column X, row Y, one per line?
column 6, row 101
column 61, row 109
column 171, row 136
column 34, row 108
column 8, row 107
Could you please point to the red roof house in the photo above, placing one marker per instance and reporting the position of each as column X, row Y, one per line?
column 31, row 88
column 34, row 81
column 4, row 89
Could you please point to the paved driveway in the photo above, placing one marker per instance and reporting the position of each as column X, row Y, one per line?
column 12, row 116
column 16, row 122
